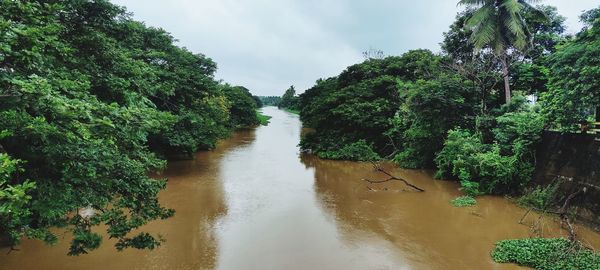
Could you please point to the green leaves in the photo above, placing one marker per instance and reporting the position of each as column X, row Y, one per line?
column 574, row 79
column 463, row 201
column 242, row 106
column 360, row 103
column 14, row 199
column 502, row 166
column 497, row 24
column 87, row 93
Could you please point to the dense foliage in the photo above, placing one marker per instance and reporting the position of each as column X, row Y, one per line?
column 503, row 165
column 85, row 94
column 425, row 110
column 289, row 100
column 242, row 107
column 546, row 254
column 14, row 198
column 398, row 105
column 431, row 108
column 575, row 77
column 456, row 111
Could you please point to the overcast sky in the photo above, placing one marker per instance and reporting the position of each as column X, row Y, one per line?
column 268, row 45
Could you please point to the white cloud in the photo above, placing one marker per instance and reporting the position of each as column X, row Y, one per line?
column 268, row 45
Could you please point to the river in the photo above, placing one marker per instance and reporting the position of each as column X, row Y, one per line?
column 256, row 202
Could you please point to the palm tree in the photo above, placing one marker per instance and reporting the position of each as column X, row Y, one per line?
column 498, row 25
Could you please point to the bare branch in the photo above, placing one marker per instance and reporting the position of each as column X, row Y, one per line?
column 564, row 215
column 391, row 177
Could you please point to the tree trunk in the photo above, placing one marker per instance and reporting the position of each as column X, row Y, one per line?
column 505, row 74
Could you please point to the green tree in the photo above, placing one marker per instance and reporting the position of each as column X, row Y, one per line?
column 498, row 25
column 242, row 106
column 431, row 108
column 355, row 108
column 86, row 94
column 289, row 99
column 574, row 87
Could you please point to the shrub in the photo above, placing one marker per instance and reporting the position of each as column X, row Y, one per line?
column 263, row 119
column 502, row 166
column 546, row 254
column 464, row 201
column 470, row 188
column 539, row 198
column 359, row 150
column 458, row 153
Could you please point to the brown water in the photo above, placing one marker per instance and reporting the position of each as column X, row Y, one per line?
column 256, row 203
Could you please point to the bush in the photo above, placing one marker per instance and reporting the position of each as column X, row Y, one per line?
column 263, row 119
column 458, row 155
column 539, row 198
column 432, row 107
column 502, row 166
column 470, row 188
column 546, row 254
column 359, row 150
column 464, row 201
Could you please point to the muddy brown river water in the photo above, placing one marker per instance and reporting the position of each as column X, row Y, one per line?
column 257, row 203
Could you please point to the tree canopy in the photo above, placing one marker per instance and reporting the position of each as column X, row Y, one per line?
column 574, row 85
column 89, row 101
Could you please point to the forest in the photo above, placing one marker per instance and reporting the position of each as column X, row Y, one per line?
column 90, row 102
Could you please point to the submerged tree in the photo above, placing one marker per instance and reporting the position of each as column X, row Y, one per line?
column 499, row 26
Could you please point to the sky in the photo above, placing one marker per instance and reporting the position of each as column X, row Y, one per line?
column 268, row 45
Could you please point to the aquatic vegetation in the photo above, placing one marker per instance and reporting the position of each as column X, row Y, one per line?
column 463, row 201
column 546, row 254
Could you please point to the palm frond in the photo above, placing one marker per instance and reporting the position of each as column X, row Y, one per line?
column 472, row 3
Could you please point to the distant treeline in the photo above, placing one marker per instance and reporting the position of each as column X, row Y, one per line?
column 270, row 100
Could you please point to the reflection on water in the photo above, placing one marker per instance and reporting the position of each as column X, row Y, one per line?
column 257, row 203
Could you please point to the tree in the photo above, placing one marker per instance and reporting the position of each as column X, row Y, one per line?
column 574, row 87
column 89, row 99
column 353, row 110
column 242, row 106
column 499, row 25
column 289, row 99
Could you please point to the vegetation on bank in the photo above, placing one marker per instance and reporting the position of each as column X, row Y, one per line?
column 294, row 111
column 262, row 119
column 450, row 111
column 546, row 254
column 289, row 101
column 90, row 100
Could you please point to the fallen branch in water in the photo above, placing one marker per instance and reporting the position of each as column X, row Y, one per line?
column 391, row 177
column 564, row 215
